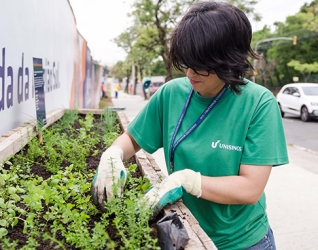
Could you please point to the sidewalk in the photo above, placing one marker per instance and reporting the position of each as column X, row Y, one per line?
column 292, row 190
column 133, row 104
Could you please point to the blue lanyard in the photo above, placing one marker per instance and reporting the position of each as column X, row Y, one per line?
column 212, row 104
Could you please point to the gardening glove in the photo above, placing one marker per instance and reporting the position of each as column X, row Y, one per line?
column 110, row 177
column 171, row 189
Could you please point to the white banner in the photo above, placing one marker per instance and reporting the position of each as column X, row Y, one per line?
column 45, row 30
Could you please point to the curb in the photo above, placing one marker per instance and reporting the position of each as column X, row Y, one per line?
column 304, row 149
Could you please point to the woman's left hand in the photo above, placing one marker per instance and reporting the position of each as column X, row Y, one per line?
column 171, row 189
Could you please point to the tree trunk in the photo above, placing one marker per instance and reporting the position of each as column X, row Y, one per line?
column 167, row 66
column 167, row 62
column 165, row 50
column 278, row 79
column 127, row 84
column 136, row 79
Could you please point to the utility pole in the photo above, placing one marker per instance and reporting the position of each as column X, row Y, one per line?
column 294, row 39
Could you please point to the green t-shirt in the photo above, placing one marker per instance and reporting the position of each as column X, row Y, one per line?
column 242, row 128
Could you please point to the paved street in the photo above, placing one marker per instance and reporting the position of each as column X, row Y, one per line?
column 301, row 133
column 292, row 191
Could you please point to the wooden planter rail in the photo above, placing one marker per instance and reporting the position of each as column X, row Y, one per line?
column 13, row 141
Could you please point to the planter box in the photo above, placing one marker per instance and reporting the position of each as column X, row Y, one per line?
column 13, row 141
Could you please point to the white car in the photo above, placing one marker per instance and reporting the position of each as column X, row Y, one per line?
column 299, row 99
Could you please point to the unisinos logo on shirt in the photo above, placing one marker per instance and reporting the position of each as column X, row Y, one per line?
column 218, row 144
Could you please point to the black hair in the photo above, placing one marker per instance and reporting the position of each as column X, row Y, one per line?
column 214, row 36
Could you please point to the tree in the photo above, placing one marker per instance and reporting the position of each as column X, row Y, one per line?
column 159, row 17
column 122, row 70
column 310, row 19
column 261, row 35
column 301, row 25
column 158, row 68
column 258, row 36
column 117, row 71
column 125, row 40
column 137, row 42
column 147, row 39
column 266, row 70
column 248, row 7
column 144, row 52
column 304, row 68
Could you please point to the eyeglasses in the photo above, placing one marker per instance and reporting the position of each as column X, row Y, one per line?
column 201, row 72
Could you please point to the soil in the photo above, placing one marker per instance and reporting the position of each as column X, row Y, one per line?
column 16, row 233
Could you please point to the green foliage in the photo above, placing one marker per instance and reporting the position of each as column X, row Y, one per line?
column 157, row 19
column 67, row 120
column 158, row 68
column 304, row 68
column 118, row 71
column 248, row 7
column 146, row 40
column 65, row 146
column 281, row 52
column 59, row 209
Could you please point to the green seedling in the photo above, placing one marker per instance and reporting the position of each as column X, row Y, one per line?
column 58, row 209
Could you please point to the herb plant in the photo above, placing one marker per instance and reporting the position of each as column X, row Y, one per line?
column 45, row 192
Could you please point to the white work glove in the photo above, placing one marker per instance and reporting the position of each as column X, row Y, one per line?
column 171, row 189
column 110, row 177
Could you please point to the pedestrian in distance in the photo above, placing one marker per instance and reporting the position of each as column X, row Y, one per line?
column 117, row 88
column 221, row 133
column 103, row 90
column 145, row 87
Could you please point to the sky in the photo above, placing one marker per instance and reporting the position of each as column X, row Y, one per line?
column 100, row 21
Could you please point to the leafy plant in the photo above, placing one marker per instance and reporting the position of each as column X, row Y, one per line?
column 56, row 207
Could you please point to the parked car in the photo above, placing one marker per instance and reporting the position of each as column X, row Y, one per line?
column 299, row 99
column 154, row 86
column 156, row 83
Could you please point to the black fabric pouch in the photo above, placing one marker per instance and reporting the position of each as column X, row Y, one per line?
column 172, row 235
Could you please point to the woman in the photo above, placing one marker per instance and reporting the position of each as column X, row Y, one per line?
column 221, row 133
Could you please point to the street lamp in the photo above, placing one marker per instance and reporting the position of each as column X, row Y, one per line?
column 294, row 39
